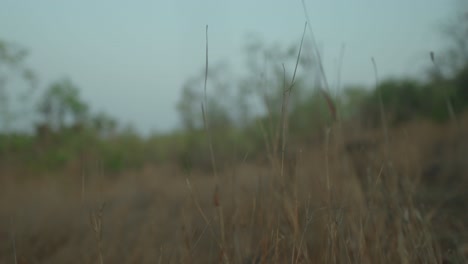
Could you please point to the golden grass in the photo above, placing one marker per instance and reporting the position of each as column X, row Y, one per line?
column 346, row 202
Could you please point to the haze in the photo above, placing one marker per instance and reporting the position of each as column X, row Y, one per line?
column 130, row 58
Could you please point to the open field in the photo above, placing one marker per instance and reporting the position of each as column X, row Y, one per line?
column 355, row 197
column 283, row 158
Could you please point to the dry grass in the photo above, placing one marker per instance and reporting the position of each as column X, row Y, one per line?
column 345, row 201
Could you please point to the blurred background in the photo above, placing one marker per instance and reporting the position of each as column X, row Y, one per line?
column 101, row 102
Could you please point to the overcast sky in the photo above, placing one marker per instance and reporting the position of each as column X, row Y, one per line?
column 130, row 58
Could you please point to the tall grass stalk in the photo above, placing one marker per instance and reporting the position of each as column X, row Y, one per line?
column 13, row 241
column 206, row 123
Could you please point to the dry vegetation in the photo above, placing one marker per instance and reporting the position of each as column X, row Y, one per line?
column 353, row 198
column 352, row 194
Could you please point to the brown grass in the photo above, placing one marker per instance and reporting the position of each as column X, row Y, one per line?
column 344, row 202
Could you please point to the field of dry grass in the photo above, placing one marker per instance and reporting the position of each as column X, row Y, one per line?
column 356, row 197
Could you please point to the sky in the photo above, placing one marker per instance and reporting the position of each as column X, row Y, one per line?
column 131, row 58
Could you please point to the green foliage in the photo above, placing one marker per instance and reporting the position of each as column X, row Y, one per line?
column 14, row 143
column 460, row 82
column 402, row 101
column 104, row 125
column 405, row 100
column 243, row 116
column 351, row 100
column 243, row 113
column 61, row 101
column 309, row 116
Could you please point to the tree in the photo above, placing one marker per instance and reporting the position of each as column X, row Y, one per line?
column 61, row 103
column 270, row 70
column 403, row 100
column 17, row 82
column 219, row 108
column 450, row 68
column 459, row 55
column 456, row 31
column 235, row 109
column 104, row 125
